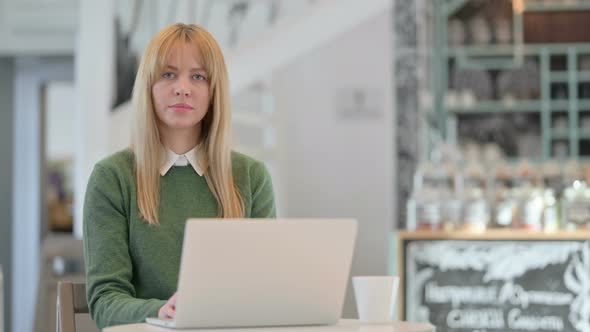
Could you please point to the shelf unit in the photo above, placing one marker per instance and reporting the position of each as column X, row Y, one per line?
column 569, row 80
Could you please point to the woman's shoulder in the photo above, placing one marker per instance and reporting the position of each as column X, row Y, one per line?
column 245, row 166
column 242, row 161
column 115, row 169
column 120, row 161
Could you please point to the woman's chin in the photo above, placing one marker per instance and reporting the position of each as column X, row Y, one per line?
column 180, row 125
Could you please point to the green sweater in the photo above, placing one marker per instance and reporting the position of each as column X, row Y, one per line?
column 132, row 267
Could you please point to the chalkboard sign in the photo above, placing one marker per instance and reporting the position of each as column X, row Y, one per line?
column 497, row 285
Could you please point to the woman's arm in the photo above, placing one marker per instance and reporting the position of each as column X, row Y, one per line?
column 263, row 198
column 109, row 271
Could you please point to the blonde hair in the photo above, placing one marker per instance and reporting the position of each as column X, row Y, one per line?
column 216, row 125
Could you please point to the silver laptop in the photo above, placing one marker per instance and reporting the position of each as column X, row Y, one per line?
column 262, row 272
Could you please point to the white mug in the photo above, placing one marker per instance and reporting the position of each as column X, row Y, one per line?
column 375, row 297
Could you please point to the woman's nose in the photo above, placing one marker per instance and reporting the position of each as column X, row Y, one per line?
column 181, row 89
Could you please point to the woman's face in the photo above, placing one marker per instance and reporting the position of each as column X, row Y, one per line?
column 181, row 93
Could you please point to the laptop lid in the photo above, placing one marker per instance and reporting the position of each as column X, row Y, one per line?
column 264, row 272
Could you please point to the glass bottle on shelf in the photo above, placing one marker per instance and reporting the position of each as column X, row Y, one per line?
column 504, row 208
column 426, row 201
column 530, row 216
column 449, row 193
column 576, row 206
column 476, row 210
column 411, row 211
column 550, row 212
column 530, row 197
column 503, row 202
column 429, row 212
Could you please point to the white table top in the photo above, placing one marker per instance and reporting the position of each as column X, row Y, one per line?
column 344, row 325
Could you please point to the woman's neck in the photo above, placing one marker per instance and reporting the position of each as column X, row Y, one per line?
column 180, row 141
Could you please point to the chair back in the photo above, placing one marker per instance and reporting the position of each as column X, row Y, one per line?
column 71, row 300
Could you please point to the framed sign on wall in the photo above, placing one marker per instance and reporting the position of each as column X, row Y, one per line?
column 499, row 281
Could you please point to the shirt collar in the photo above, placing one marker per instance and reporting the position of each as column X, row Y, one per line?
column 195, row 157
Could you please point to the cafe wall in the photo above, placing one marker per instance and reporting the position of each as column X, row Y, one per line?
column 337, row 116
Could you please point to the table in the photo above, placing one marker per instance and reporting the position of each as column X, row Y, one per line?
column 344, row 325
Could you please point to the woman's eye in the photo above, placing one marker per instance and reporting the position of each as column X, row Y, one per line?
column 168, row 75
column 199, row 77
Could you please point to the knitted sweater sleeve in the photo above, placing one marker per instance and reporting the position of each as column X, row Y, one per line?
column 109, row 269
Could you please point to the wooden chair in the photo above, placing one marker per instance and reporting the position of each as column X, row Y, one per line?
column 71, row 300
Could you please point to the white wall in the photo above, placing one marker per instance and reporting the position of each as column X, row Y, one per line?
column 339, row 165
column 60, row 120
column 95, row 73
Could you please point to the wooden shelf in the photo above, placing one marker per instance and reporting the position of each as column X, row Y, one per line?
column 508, row 50
column 549, row 7
column 498, row 107
column 560, row 135
column 563, row 76
column 496, row 234
column 560, row 105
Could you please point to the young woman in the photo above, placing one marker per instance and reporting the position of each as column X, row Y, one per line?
column 180, row 166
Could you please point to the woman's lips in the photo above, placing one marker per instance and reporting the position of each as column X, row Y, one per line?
column 181, row 107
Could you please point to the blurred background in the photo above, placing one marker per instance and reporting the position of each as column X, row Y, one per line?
column 353, row 106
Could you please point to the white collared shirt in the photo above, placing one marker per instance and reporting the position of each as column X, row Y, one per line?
column 194, row 157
